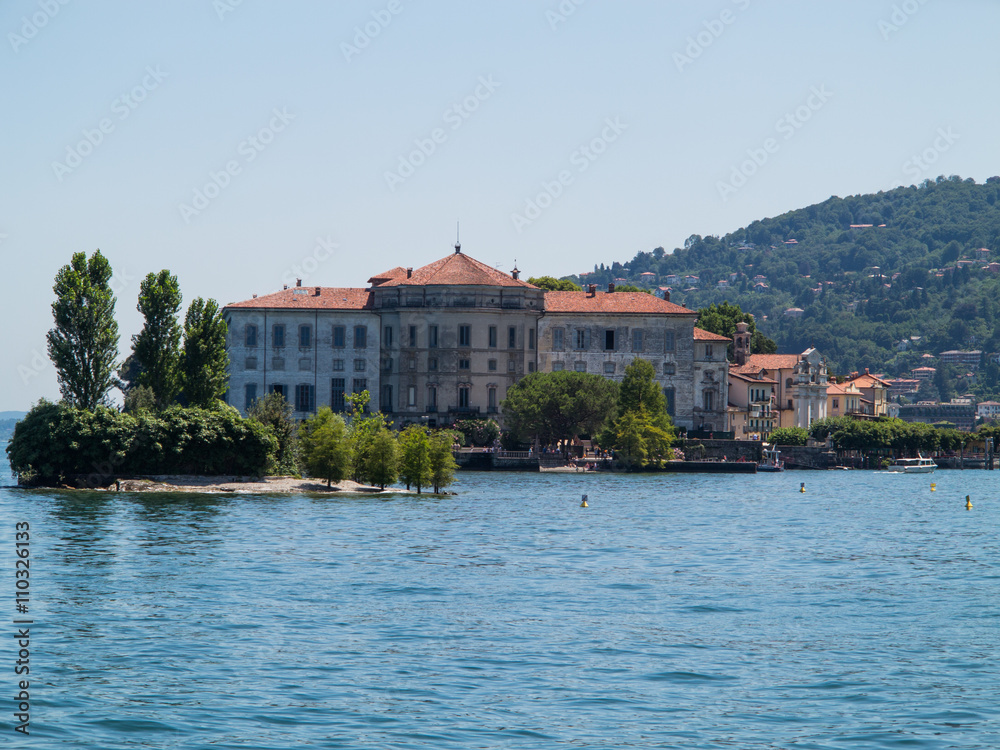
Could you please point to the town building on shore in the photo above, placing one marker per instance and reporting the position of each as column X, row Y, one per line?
column 800, row 390
column 446, row 341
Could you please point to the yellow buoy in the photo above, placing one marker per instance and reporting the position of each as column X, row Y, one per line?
column 584, row 503
column 802, row 487
column 968, row 503
column 933, row 487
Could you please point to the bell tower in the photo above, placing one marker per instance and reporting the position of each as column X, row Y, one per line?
column 741, row 343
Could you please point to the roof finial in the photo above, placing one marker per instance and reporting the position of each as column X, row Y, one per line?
column 458, row 238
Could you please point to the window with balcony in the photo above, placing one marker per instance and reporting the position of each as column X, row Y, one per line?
column 463, row 397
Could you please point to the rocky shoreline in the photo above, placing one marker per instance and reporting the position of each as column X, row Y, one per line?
column 231, row 485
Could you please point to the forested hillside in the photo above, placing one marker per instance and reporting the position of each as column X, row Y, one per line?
column 868, row 272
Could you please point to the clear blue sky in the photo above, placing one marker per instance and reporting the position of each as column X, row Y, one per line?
column 632, row 114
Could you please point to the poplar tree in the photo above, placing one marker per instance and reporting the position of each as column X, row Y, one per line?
column 157, row 345
column 204, row 359
column 415, row 457
column 83, row 345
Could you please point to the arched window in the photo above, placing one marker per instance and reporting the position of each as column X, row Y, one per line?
column 788, row 383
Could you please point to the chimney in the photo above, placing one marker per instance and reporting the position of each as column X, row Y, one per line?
column 255, row 296
column 298, row 282
column 409, row 273
column 317, row 291
column 285, row 286
column 611, row 287
column 592, row 290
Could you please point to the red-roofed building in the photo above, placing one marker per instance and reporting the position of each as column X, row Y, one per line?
column 446, row 340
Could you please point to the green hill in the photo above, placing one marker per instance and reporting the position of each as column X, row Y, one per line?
column 868, row 272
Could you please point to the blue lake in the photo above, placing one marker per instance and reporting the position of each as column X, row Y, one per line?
column 686, row 611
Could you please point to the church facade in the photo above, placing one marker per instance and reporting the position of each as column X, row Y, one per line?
column 446, row 341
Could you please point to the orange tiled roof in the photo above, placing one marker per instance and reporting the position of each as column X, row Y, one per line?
column 392, row 274
column 734, row 372
column 702, row 335
column 456, row 269
column 773, row 361
column 867, row 380
column 305, row 298
column 612, row 302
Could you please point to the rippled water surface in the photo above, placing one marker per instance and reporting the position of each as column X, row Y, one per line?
column 676, row 611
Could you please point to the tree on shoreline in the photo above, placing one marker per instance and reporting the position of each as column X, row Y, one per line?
column 642, row 433
column 442, row 460
column 415, row 457
column 204, row 359
column 83, row 345
column 326, row 450
column 157, row 345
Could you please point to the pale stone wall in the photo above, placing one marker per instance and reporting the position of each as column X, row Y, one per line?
column 674, row 366
column 266, row 366
column 415, row 364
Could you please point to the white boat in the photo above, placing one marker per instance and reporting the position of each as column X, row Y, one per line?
column 919, row 465
column 771, row 460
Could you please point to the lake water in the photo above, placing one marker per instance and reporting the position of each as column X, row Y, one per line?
column 687, row 611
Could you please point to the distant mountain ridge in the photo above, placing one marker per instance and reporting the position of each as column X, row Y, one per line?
column 868, row 272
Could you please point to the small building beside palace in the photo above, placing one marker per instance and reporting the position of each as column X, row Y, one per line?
column 446, row 341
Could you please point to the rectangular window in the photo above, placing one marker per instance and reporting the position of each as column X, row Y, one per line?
column 465, row 335
column 387, row 336
column 557, row 339
column 250, row 395
column 493, row 337
column 337, row 401
column 531, row 338
column 305, row 337
column 492, row 366
column 531, row 367
column 463, row 397
column 411, row 395
column 669, row 395
column 669, row 368
column 512, row 337
column 277, row 388
column 278, row 338
column 709, row 400
column 558, row 366
column 386, row 405
column 609, row 368
column 250, row 363
column 251, row 335
column 360, row 337
column 432, row 364
column 580, row 367
column 836, row 403
column 359, row 385
column 668, row 341
column 387, row 364
column 511, row 365
column 637, row 339
column 359, row 365
column 432, row 397
column 491, row 398
column 339, row 337
column 464, row 364
column 412, row 363
column 338, row 365
column 432, row 337
column 413, row 335
column 582, row 338
column 304, row 398
column 609, row 340
column 708, row 352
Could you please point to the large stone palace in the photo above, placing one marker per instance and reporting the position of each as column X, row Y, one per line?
column 446, row 341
